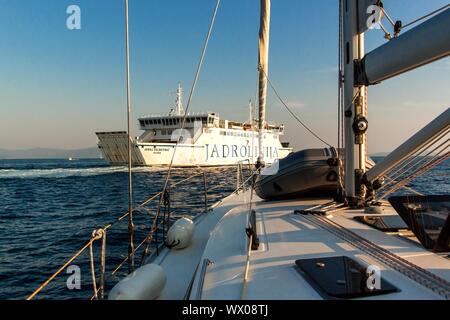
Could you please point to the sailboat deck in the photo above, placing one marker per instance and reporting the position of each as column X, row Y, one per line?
column 286, row 237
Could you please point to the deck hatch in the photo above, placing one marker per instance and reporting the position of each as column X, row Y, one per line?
column 341, row 278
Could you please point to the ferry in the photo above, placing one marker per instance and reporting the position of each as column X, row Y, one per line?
column 205, row 140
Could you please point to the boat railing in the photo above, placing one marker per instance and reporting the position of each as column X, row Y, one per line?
column 152, row 242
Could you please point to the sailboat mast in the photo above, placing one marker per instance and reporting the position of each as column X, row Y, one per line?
column 263, row 68
column 355, row 123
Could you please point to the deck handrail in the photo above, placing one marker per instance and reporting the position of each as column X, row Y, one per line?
column 100, row 234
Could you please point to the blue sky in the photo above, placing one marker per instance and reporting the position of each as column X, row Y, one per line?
column 57, row 87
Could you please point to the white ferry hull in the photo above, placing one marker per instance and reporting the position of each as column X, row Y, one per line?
column 205, row 140
column 209, row 150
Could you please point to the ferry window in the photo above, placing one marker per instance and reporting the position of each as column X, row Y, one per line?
column 159, row 121
column 142, row 123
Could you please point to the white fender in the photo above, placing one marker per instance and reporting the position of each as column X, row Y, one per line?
column 180, row 234
column 146, row 283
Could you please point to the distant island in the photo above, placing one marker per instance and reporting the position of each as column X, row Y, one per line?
column 48, row 153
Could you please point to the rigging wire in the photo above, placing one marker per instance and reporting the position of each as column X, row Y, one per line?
column 340, row 111
column 400, row 27
column 169, row 170
column 130, row 178
column 293, row 114
column 414, row 161
column 339, row 77
column 391, row 21
column 426, row 16
column 418, row 164
column 436, row 160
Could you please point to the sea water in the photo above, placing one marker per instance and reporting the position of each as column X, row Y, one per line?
column 49, row 208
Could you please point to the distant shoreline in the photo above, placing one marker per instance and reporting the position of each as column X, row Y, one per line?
column 73, row 159
column 91, row 153
column 49, row 153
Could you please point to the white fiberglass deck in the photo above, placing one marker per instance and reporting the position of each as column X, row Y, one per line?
column 284, row 238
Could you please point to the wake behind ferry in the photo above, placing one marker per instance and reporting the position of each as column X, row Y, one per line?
column 205, row 140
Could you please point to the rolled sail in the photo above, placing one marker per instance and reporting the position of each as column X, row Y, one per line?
column 263, row 67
